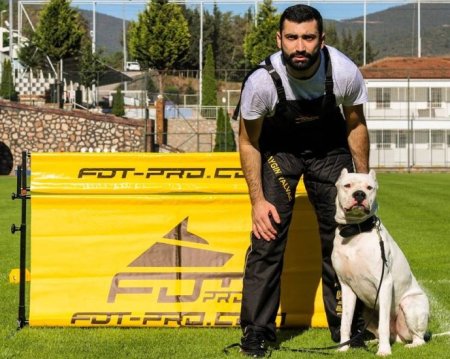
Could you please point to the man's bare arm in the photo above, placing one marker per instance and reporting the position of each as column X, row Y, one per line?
column 357, row 137
column 251, row 162
column 249, row 132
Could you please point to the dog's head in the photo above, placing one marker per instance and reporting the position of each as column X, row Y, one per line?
column 356, row 197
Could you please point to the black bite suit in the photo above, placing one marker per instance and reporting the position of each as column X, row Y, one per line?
column 304, row 138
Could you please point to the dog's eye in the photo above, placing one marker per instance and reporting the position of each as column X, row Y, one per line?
column 347, row 185
column 369, row 188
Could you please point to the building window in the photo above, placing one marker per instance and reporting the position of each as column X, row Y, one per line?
column 435, row 97
column 382, row 138
column 383, row 97
column 437, row 138
column 402, row 139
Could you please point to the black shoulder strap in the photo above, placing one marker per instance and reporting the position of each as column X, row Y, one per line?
column 275, row 78
column 328, row 73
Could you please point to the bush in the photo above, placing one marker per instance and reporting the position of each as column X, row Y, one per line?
column 7, row 89
column 118, row 106
column 224, row 133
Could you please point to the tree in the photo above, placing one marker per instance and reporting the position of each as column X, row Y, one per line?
column 209, row 90
column 7, row 89
column 31, row 56
column 347, row 44
column 160, row 37
column 58, row 34
column 331, row 36
column 224, row 133
column 193, row 18
column 225, row 32
column 91, row 65
column 59, row 31
column 118, row 106
column 260, row 42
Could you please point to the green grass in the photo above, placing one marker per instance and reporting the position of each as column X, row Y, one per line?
column 414, row 207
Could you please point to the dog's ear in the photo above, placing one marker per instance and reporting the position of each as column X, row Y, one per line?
column 344, row 172
column 373, row 174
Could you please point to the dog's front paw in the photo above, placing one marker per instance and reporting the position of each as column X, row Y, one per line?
column 344, row 348
column 416, row 343
column 384, row 351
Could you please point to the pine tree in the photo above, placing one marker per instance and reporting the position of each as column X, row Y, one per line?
column 160, row 37
column 59, row 31
column 7, row 89
column 90, row 65
column 209, row 90
column 260, row 42
column 224, row 133
column 331, row 36
column 118, row 106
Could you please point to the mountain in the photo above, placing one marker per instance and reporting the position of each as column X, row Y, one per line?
column 391, row 32
column 109, row 30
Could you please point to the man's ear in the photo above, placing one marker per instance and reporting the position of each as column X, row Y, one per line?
column 279, row 39
column 322, row 41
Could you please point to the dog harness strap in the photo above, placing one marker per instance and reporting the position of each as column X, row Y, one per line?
column 357, row 228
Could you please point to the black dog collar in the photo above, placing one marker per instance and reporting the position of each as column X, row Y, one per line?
column 349, row 230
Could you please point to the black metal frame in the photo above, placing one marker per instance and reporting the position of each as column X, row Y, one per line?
column 22, row 193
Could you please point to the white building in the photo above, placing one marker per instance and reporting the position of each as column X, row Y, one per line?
column 408, row 113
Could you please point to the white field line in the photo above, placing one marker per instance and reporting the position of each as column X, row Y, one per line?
column 438, row 312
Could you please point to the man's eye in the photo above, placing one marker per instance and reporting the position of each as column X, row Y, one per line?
column 308, row 38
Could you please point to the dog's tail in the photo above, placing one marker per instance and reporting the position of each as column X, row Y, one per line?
column 428, row 335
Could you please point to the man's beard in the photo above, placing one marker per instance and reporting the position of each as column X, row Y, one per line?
column 300, row 65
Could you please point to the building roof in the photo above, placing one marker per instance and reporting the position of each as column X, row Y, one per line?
column 408, row 67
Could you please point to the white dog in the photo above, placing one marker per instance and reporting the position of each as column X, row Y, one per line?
column 401, row 309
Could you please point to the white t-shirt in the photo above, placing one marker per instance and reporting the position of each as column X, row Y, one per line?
column 259, row 96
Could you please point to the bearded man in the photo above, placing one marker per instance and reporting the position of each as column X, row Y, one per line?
column 301, row 114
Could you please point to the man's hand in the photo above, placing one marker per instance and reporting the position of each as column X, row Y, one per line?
column 264, row 215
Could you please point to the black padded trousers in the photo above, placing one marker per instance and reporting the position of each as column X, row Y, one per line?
column 281, row 173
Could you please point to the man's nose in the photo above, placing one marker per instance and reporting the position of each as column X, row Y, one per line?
column 300, row 45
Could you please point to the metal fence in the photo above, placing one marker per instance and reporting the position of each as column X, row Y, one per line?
column 410, row 149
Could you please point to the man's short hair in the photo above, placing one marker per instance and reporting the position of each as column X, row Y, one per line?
column 301, row 13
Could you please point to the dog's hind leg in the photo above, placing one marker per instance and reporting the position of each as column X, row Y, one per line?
column 416, row 311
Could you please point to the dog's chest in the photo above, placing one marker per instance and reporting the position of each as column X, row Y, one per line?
column 357, row 258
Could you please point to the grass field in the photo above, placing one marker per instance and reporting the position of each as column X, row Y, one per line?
column 414, row 207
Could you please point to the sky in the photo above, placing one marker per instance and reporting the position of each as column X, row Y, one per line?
column 329, row 10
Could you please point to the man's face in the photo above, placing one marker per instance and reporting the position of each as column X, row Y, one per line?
column 300, row 44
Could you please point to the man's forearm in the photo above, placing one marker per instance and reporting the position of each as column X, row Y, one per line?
column 358, row 140
column 251, row 166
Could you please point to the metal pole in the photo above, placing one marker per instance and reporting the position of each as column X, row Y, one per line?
column 94, row 30
column 409, row 127
column 23, row 241
column 124, row 39
column 11, row 39
column 419, row 38
column 22, row 193
column 365, row 34
column 200, row 59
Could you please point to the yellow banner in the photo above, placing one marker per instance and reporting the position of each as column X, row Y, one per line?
column 114, row 247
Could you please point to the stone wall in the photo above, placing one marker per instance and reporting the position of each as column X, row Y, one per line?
column 45, row 129
column 194, row 135
column 42, row 129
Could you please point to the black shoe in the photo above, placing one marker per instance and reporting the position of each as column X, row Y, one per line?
column 253, row 343
column 335, row 334
column 357, row 340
